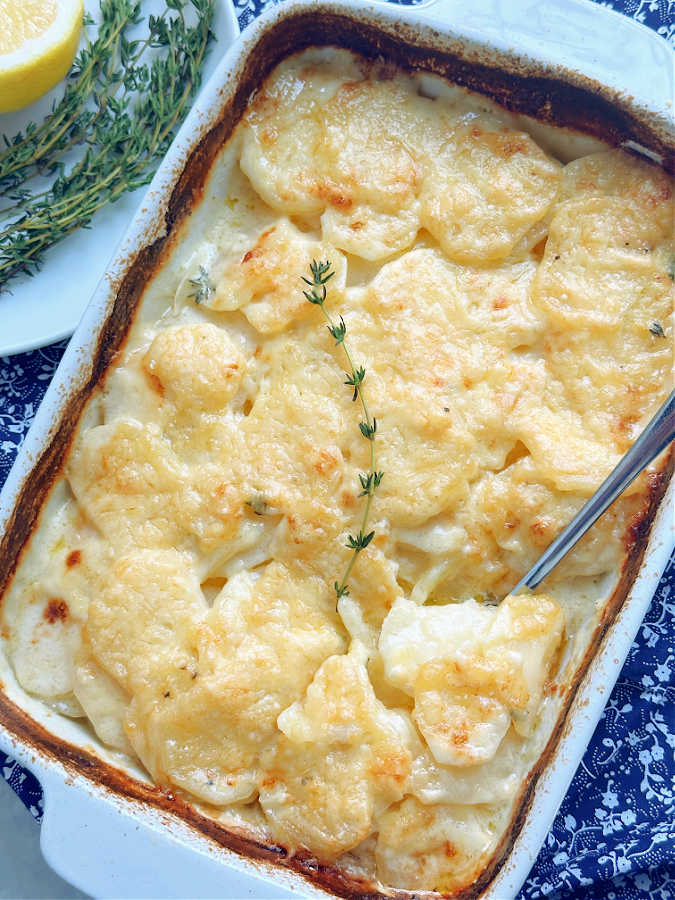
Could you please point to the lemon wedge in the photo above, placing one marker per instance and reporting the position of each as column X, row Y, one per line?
column 38, row 42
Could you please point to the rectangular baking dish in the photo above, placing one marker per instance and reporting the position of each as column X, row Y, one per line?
column 107, row 830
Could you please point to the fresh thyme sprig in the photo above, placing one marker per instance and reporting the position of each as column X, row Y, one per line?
column 122, row 103
column 321, row 275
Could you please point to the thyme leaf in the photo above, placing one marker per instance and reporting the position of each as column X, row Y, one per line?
column 368, row 429
column 203, row 288
column 355, row 380
column 338, row 331
column 370, row 482
column 361, row 541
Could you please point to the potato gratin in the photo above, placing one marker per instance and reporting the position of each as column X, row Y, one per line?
column 513, row 314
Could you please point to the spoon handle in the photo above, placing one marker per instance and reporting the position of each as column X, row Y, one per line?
column 656, row 436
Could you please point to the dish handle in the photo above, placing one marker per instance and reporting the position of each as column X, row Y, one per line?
column 119, row 849
column 630, row 57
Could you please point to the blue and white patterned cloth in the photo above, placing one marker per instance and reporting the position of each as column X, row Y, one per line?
column 614, row 836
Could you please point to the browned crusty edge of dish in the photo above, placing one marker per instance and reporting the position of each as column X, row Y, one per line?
column 552, row 96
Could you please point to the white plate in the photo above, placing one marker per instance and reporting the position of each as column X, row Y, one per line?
column 35, row 311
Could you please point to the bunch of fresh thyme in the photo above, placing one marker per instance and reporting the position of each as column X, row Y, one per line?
column 122, row 103
column 321, row 274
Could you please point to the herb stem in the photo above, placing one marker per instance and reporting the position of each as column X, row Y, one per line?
column 321, row 274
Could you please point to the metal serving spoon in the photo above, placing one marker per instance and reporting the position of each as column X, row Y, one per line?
column 655, row 438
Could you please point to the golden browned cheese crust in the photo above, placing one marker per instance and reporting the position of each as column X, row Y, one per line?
column 513, row 315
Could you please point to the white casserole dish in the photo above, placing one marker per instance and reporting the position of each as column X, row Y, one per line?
column 111, row 845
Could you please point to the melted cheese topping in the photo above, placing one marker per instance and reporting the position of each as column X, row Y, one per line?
column 178, row 592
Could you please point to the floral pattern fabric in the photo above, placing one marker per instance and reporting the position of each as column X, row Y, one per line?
column 614, row 835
